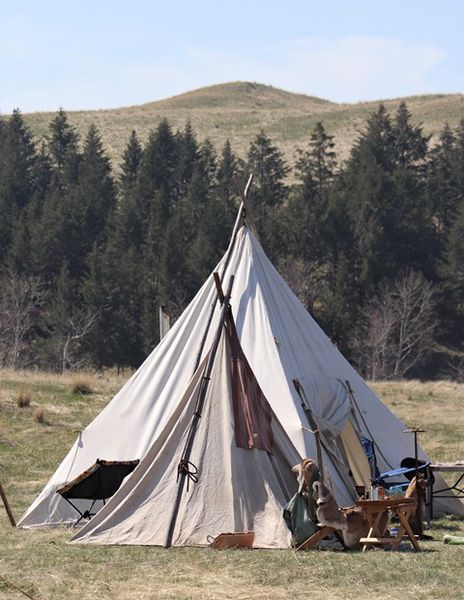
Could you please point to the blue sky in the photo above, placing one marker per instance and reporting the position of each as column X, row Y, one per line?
column 109, row 53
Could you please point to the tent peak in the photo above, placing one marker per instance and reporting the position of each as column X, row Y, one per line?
column 245, row 216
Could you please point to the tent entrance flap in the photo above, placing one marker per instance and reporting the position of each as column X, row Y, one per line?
column 252, row 412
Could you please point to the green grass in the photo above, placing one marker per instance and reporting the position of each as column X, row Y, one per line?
column 237, row 111
column 46, row 567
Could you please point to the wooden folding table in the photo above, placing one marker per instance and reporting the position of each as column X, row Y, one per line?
column 376, row 511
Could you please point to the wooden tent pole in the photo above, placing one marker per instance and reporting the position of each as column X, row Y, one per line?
column 184, row 465
column 243, row 195
column 246, row 207
column 320, row 462
column 7, row 506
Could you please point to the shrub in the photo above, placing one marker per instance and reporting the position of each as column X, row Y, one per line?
column 39, row 414
column 80, row 385
column 23, row 399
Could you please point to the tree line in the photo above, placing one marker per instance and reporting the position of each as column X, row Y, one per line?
column 373, row 246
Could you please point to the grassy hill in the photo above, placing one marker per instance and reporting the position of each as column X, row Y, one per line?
column 42, row 564
column 237, row 111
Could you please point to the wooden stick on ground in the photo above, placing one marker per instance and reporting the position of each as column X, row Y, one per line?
column 15, row 587
column 7, row 506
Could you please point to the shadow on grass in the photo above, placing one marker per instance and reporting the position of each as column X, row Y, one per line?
column 450, row 527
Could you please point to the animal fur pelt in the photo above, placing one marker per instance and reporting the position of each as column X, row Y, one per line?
column 350, row 521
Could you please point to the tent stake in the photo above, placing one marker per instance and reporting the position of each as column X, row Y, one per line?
column 183, row 468
column 7, row 506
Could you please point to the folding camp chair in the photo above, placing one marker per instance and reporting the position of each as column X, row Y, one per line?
column 408, row 469
column 98, row 482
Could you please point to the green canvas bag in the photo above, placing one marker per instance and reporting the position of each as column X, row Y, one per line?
column 300, row 516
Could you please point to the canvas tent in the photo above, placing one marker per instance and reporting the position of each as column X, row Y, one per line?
column 283, row 345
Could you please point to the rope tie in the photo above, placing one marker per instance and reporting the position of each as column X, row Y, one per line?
column 188, row 469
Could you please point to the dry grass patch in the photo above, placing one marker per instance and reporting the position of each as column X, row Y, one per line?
column 436, row 407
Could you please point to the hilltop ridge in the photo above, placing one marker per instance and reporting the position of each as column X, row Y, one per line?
column 238, row 110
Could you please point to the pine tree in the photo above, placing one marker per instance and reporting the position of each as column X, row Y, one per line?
column 308, row 207
column 43, row 182
column 60, row 345
column 317, row 164
column 18, row 175
column 229, row 168
column 268, row 192
column 131, row 159
column 444, row 185
column 19, row 163
column 410, row 144
column 51, row 218
column 207, row 162
column 90, row 203
column 455, row 253
column 112, row 290
column 412, row 230
column 155, row 192
column 340, row 305
column 63, row 148
column 19, row 253
column 187, row 155
column 452, row 285
column 268, row 166
column 384, row 190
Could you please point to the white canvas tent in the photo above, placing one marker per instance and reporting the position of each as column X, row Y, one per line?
column 286, row 350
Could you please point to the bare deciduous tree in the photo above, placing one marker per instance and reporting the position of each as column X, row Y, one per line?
column 21, row 300
column 376, row 333
column 398, row 327
column 178, row 302
column 456, row 369
column 77, row 326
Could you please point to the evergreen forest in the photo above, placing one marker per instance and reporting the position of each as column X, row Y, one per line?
column 373, row 246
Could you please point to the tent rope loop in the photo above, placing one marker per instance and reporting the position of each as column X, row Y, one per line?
column 188, row 469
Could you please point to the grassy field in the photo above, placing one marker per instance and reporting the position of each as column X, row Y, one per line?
column 45, row 567
column 237, row 111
